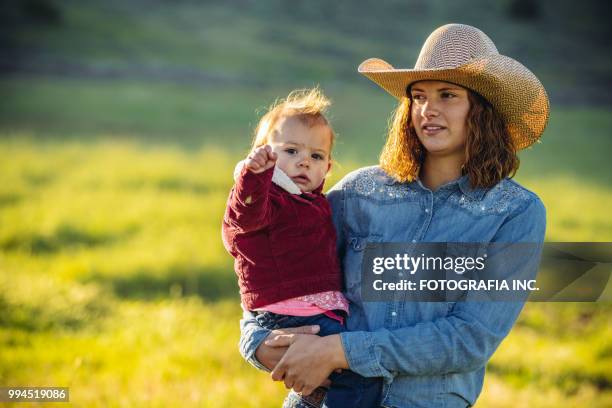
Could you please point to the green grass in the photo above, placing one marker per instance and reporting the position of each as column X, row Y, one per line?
column 114, row 282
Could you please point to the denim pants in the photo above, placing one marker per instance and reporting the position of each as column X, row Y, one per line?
column 348, row 389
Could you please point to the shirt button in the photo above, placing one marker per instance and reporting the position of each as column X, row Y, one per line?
column 400, row 274
column 427, row 210
column 393, row 313
column 414, row 241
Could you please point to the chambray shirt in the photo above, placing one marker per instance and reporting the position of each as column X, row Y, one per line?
column 430, row 354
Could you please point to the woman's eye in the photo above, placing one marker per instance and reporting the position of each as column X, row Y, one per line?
column 417, row 97
column 448, row 95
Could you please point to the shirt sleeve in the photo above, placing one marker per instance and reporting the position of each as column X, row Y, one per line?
column 249, row 206
column 464, row 340
column 251, row 337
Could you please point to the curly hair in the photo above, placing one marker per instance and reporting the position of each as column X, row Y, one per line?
column 306, row 105
column 490, row 154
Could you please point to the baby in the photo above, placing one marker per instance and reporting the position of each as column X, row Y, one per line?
column 278, row 227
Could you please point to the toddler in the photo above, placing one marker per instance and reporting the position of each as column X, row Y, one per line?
column 278, row 227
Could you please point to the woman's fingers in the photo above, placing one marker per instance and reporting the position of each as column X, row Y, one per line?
column 289, row 382
column 280, row 340
column 279, row 372
column 298, row 386
column 286, row 337
column 308, row 389
column 314, row 329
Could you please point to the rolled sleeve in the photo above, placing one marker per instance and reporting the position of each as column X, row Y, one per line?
column 251, row 337
column 360, row 352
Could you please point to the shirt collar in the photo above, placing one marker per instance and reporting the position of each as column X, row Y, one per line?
column 466, row 188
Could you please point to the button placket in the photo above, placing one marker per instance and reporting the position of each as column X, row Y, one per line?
column 428, row 204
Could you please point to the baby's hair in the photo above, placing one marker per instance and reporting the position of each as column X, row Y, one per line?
column 306, row 105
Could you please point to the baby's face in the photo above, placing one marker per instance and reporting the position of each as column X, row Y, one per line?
column 303, row 152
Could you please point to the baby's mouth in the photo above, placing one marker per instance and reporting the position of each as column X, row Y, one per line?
column 300, row 179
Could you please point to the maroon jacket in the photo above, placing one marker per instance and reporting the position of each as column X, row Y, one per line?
column 284, row 244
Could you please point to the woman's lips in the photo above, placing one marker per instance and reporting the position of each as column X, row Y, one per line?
column 432, row 130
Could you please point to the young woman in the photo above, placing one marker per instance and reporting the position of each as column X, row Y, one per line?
column 444, row 176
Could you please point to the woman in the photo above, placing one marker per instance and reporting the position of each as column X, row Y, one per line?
column 463, row 113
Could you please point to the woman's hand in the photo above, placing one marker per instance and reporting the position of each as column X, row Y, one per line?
column 268, row 355
column 308, row 361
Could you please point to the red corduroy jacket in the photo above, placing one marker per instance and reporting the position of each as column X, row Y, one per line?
column 283, row 244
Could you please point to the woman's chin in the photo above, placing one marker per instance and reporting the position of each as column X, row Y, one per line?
column 438, row 148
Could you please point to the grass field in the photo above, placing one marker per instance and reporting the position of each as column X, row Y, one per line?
column 117, row 144
column 114, row 281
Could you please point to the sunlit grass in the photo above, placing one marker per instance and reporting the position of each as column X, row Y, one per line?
column 114, row 282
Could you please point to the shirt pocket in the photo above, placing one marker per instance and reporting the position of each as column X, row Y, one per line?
column 353, row 261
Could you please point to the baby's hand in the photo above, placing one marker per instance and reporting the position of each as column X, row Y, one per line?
column 261, row 159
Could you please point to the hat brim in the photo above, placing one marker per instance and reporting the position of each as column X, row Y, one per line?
column 509, row 86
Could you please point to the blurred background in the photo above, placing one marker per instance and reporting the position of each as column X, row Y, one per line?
column 120, row 124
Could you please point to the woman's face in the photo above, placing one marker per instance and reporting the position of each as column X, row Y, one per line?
column 439, row 115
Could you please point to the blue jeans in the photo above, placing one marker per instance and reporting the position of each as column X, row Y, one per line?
column 347, row 388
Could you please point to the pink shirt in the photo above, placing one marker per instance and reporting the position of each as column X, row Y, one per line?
column 309, row 305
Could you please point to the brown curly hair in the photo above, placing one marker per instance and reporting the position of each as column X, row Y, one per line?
column 490, row 154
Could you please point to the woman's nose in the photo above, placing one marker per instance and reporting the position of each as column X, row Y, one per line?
column 429, row 109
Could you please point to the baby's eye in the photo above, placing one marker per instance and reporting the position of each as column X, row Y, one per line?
column 291, row 151
column 317, row 156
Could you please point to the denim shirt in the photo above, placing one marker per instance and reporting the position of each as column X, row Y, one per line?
column 430, row 354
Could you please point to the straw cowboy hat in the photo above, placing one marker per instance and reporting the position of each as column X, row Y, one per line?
column 465, row 56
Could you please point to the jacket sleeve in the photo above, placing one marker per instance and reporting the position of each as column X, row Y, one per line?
column 464, row 340
column 249, row 207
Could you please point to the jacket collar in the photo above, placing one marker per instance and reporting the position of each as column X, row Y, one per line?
column 281, row 179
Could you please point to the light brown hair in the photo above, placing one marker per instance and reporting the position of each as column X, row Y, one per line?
column 490, row 155
column 306, row 105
